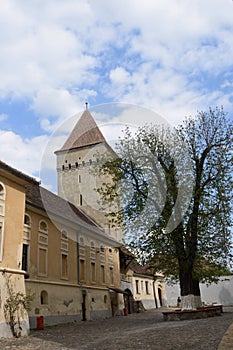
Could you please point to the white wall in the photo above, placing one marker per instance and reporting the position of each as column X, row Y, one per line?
column 221, row 293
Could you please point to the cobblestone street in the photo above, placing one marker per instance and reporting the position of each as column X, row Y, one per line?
column 138, row 331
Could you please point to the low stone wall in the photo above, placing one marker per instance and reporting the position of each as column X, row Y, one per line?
column 180, row 315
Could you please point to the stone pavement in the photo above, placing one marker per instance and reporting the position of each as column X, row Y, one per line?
column 227, row 340
column 137, row 331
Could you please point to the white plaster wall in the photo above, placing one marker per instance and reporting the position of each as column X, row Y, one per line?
column 220, row 293
column 172, row 293
column 17, row 282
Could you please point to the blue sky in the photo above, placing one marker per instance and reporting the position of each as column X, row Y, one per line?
column 172, row 56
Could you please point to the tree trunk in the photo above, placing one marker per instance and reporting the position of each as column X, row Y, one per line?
column 189, row 287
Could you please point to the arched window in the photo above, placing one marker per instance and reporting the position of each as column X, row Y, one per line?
column 44, row 297
column 43, row 227
column 81, row 241
column 64, row 240
column 64, row 234
column 43, row 232
column 1, row 238
column 27, row 220
column 27, row 227
column 2, row 191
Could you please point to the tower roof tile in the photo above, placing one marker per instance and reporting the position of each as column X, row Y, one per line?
column 85, row 133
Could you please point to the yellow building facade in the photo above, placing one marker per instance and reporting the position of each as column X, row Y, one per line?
column 13, row 186
column 60, row 248
column 72, row 265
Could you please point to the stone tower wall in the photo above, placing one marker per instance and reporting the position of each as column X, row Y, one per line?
column 77, row 183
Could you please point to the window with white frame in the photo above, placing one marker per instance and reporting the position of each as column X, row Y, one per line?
column 27, row 227
column 92, row 251
column 111, row 275
column 82, row 251
column 64, row 265
column 43, row 233
column 42, row 248
column 82, row 259
column 2, row 191
column 1, row 238
column 137, row 286
column 102, row 274
column 2, row 209
column 64, row 254
column 42, row 261
column 82, row 269
column 2, row 199
column 147, row 288
column 25, row 256
column 93, row 272
column 64, row 240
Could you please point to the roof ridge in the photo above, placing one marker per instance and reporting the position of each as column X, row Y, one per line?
column 85, row 133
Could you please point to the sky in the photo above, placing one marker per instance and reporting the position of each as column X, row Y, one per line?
column 172, row 57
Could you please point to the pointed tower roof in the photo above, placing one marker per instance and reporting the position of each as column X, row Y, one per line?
column 85, row 133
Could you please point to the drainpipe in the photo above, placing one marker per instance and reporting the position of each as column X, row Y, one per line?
column 78, row 264
column 156, row 303
column 79, row 281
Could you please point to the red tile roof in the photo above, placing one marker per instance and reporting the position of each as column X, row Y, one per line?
column 141, row 270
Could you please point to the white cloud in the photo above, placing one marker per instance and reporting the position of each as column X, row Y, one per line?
column 58, row 46
column 23, row 154
column 172, row 56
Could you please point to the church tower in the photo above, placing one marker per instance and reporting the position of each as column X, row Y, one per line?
column 76, row 181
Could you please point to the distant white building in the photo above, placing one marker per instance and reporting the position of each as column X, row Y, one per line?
column 142, row 287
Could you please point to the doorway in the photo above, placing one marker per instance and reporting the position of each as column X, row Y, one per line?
column 129, row 301
column 84, row 316
column 160, row 296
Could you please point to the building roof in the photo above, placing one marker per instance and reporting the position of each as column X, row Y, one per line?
column 44, row 199
column 16, row 173
column 126, row 252
column 141, row 270
column 41, row 198
column 85, row 133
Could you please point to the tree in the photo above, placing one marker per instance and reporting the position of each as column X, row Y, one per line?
column 174, row 191
column 15, row 307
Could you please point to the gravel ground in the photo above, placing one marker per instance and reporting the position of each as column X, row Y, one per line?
column 137, row 331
